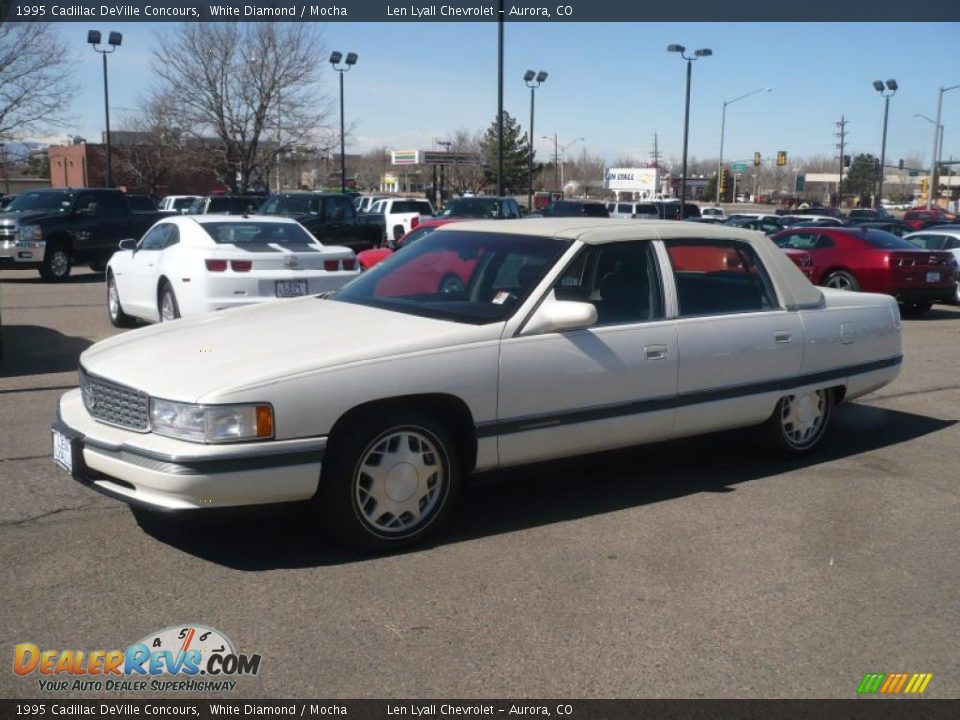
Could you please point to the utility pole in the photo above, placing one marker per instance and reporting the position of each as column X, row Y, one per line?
column 655, row 155
column 843, row 139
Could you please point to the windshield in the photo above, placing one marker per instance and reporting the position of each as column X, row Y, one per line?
column 472, row 208
column 182, row 203
column 241, row 233
column 468, row 277
column 29, row 201
column 929, row 242
column 291, row 205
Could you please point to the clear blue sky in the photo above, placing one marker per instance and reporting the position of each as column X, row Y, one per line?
column 613, row 84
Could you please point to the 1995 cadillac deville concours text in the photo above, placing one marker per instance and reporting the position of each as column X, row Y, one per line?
column 484, row 345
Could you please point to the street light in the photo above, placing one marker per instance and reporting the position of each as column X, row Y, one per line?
column 892, row 90
column 446, row 146
column 349, row 62
column 703, row 52
column 933, row 167
column 723, row 124
column 533, row 81
column 557, row 166
column 114, row 40
column 940, row 130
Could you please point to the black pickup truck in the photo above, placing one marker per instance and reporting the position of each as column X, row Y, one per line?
column 330, row 218
column 52, row 230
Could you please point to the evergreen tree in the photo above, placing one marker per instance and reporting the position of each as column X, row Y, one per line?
column 516, row 156
column 862, row 176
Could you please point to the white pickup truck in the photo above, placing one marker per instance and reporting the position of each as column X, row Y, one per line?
column 401, row 215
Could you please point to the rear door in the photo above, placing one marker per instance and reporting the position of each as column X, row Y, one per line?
column 735, row 340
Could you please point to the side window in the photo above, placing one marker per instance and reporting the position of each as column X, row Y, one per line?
column 718, row 277
column 332, row 209
column 88, row 202
column 823, row 242
column 112, row 205
column 798, row 241
column 346, row 208
column 155, row 238
column 952, row 244
column 620, row 279
column 172, row 236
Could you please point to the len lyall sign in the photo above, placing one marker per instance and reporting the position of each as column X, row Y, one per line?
column 638, row 180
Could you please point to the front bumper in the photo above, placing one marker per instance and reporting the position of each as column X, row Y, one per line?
column 163, row 473
column 22, row 251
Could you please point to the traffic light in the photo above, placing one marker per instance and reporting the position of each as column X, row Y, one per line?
column 781, row 158
column 756, row 159
column 900, row 164
column 924, row 185
column 846, row 161
column 723, row 185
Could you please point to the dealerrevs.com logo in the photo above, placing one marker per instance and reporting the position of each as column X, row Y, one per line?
column 189, row 658
column 894, row 683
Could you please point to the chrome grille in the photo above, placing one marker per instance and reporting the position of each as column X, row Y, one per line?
column 7, row 232
column 115, row 404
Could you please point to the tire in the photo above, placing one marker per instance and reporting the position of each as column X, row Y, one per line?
column 167, row 303
column 118, row 318
column 799, row 422
column 842, row 280
column 405, row 460
column 56, row 263
column 915, row 308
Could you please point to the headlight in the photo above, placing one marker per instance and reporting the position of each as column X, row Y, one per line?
column 211, row 423
column 30, row 233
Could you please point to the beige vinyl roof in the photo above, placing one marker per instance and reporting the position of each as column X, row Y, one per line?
column 793, row 287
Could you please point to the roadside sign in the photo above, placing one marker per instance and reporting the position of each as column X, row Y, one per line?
column 738, row 167
column 801, row 183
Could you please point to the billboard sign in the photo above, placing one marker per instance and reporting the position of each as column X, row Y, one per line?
column 645, row 181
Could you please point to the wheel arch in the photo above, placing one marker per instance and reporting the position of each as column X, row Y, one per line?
column 449, row 409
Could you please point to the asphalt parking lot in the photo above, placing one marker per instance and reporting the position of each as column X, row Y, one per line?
column 696, row 568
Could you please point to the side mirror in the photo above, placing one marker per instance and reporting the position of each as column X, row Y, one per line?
column 559, row 315
column 128, row 244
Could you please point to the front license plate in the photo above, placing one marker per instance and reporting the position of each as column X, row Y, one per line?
column 933, row 277
column 291, row 288
column 62, row 451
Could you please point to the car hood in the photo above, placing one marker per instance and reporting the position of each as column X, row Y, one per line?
column 209, row 356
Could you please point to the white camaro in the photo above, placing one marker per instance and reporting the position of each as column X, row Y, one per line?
column 560, row 337
column 186, row 265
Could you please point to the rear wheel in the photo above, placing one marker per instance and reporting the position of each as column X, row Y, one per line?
column 118, row 318
column 169, row 309
column 56, row 263
column 389, row 481
column 799, row 421
column 842, row 280
column 915, row 308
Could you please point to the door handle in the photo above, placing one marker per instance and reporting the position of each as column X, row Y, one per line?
column 655, row 352
column 783, row 337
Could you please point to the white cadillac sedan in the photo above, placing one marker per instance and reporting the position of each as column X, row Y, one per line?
column 187, row 265
column 558, row 337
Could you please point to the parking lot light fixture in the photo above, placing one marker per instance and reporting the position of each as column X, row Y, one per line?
column 533, row 81
column 886, row 93
column 933, row 160
column 335, row 62
column 940, row 130
column 114, row 40
column 702, row 52
column 723, row 125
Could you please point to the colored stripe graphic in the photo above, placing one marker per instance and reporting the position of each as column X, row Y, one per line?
column 870, row 683
column 894, row 683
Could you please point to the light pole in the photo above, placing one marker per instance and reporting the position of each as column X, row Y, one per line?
column 933, row 163
column 703, row 52
column 723, row 125
column 446, row 146
column 349, row 62
column 940, row 130
column 556, row 161
column 891, row 91
column 563, row 156
column 114, row 40
column 533, row 81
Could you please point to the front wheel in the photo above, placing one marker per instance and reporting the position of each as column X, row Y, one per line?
column 118, row 318
column 169, row 309
column 389, row 482
column 56, row 263
column 799, row 421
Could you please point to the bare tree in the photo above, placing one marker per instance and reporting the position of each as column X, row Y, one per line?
column 465, row 178
column 36, row 84
column 255, row 87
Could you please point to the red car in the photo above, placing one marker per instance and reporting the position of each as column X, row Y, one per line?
column 802, row 260
column 918, row 219
column 875, row 261
column 369, row 258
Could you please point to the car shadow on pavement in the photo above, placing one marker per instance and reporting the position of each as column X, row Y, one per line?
column 937, row 312
column 35, row 350
column 531, row 496
column 87, row 278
